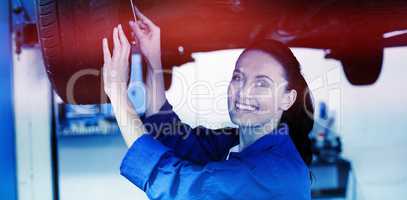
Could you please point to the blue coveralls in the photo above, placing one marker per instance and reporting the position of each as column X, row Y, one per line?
column 190, row 163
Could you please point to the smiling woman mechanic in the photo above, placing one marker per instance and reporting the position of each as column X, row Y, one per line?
column 267, row 98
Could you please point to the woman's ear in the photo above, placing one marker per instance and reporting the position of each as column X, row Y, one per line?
column 288, row 99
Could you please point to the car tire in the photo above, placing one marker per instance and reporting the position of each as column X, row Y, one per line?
column 70, row 34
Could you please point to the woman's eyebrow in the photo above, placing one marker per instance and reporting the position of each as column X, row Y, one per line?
column 264, row 76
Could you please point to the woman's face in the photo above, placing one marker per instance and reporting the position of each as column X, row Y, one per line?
column 257, row 93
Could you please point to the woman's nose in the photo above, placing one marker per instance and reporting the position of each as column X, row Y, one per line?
column 245, row 91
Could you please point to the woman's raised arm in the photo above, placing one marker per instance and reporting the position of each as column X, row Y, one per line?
column 195, row 144
column 147, row 36
column 115, row 77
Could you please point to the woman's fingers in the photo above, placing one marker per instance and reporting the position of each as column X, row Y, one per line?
column 137, row 12
column 144, row 27
column 107, row 59
column 107, row 56
column 136, row 29
column 116, row 43
column 125, row 43
column 144, row 18
column 123, row 37
column 115, row 68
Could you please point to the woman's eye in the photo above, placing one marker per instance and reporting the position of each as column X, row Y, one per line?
column 262, row 83
column 236, row 77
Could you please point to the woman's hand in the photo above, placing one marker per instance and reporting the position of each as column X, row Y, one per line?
column 115, row 77
column 147, row 35
column 116, row 67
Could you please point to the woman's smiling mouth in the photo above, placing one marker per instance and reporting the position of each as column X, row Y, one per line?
column 245, row 107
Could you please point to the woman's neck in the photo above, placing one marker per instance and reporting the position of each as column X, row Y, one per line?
column 249, row 135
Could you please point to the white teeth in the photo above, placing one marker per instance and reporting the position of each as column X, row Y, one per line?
column 245, row 107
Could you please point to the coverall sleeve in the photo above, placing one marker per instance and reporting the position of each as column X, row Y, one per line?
column 200, row 145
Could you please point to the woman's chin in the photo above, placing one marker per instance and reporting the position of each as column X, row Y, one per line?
column 245, row 122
